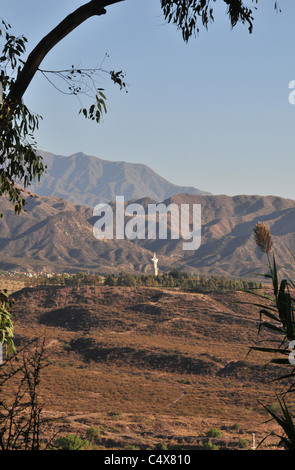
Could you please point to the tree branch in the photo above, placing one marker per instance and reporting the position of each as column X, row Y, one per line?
column 71, row 22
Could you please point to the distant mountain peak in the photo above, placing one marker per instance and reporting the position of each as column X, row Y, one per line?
column 89, row 180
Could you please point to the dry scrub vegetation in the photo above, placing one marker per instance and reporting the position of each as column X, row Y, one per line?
column 148, row 367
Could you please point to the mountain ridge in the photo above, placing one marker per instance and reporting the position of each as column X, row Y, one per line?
column 89, row 180
column 56, row 235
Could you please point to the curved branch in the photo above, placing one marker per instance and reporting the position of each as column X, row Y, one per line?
column 71, row 22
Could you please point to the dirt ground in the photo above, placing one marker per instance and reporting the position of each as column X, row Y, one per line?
column 151, row 368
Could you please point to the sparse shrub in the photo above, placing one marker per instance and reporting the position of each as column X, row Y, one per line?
column 236, row 426
column 103, row 429
column 131, row 447
column 210, row 446
column 162, row 447
column 214, row 432
column 186, row 381
column 243, row 443
column 139, row 418
column 93, row 434
column 67, row 347
column 116, row 416
column 71, row 442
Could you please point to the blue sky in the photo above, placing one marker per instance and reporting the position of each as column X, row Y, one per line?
column 213, row 113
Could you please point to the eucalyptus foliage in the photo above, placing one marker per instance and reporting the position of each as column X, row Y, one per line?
column 19, row 162
column 189, row 15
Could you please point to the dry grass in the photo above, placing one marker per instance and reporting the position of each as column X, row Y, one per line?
column 149, row 367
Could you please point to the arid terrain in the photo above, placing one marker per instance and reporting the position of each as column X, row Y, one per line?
column 151, row 368
column 88, row 180
column 53, row 234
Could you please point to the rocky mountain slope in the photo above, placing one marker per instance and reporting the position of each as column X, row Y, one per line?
column 88, row 180
column 54, row 234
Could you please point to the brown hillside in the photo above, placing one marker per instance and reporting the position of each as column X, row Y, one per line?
column 149, row 366
column 55, row 235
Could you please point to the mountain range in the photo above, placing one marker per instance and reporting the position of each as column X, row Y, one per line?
column 54, row 234
column 89, row 180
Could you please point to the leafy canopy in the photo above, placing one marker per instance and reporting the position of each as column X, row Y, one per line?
column 187, row 15
column 18, row 160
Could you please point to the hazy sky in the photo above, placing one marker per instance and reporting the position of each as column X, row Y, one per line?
column 213, row 113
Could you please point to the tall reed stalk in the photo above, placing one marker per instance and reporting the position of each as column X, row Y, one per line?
column 278, row 318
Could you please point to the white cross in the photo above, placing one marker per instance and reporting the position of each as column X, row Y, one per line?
column 155, row 260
